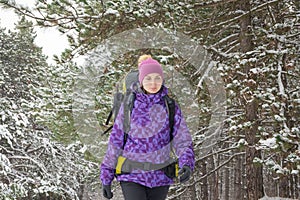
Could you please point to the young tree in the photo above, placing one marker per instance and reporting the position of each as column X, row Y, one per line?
column 32, row 165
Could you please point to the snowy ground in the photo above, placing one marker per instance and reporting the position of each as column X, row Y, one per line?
column 97, row 195
column 275, row 198
column 118, row 195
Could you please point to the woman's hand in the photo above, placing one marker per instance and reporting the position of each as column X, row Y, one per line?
column 107, row 191
column 184, row 174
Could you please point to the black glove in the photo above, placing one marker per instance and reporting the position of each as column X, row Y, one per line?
column 107, row 191
column 184, row 174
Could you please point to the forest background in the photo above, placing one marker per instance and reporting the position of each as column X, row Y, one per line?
column 50, row 145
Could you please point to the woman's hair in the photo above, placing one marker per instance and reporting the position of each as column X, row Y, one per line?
column 143, row 57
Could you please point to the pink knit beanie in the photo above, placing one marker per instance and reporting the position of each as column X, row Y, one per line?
column 149, row 66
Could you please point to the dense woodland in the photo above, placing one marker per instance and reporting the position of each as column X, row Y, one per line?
column 247, row 142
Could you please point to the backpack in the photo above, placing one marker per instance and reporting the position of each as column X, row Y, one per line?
column 127, row 97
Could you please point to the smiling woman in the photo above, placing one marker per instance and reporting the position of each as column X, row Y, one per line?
column 152, row 83
column 139, row 156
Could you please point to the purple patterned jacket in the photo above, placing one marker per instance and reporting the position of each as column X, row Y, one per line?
column 148, row 141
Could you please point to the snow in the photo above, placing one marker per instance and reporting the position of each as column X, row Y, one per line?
column 5, row 134
column 112, row 11
column 296, row 172
column 295, row 130
column 265, row 134
column 255, row 70
column 278, row 118
column 236, row 82
column 3, row 117
column 265, row 106
column 83, row 149
column 5, row 164
column 245, row 61
column 269, row 143
column 275, row 104
column 275, row 198
column 233, row 128
column 242, row 142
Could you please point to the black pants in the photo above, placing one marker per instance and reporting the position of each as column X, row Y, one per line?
column 134, row 191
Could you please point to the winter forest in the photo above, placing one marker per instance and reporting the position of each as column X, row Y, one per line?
column 232, row 65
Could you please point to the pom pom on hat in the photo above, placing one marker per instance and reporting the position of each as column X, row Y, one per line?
column 143, row 57
column 149, row 66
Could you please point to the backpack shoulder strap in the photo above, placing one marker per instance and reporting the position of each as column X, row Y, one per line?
column 128, row 106
column 170, row 104
column 118, row 98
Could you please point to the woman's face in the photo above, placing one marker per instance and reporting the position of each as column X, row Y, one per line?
column 152, row 83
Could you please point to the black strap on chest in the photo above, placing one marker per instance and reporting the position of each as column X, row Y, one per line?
column 170, row 104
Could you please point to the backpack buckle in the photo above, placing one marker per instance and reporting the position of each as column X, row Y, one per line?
column 147, row 166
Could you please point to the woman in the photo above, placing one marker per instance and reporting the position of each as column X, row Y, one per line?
column 148, row 141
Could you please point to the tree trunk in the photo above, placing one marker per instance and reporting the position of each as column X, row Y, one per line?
column 204, row 183
column 226, row 183
column 297, row 185
column 238, row 183
column 254, row 175
column 211, row 179
column 215, row 177
column 190, row 193
column 254, row 181
column 284, row 187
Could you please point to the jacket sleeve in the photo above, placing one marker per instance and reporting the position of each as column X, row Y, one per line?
column 182, row 141
column 114, row 149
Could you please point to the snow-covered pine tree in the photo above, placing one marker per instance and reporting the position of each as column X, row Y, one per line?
column 32, row 165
